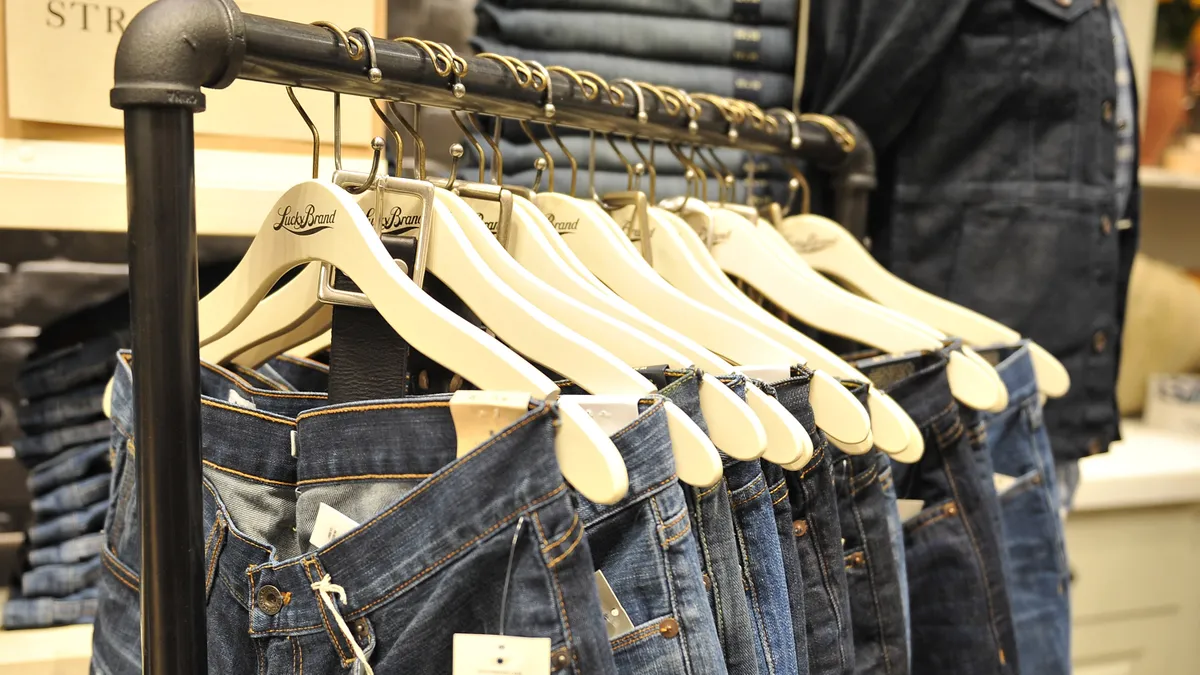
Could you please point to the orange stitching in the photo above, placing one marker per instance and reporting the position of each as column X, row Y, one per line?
column 941, row 516
column 818, row 455
column 567, row 552
column 562, row 608
column 683, row 533
column 675, row 520
column 240, row 383
column 365, row 476
column 561, row 539
column 707, row 491
column 212, row 563
column 257, row 376
column 225, row 469
column 423, row 573
column 320, row 572
column 247, row 411
column 781, row 485
column 117, row 575
column 781, row 498
column 120, row 568
column 306, row 362
column 292, row 640
column 633, row 638
column 537, row 522
column 752, row 497
column 454, row 467
column 375, row 406
column 300, row 652
column 229, row 524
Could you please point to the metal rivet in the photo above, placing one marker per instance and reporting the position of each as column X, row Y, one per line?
column 375, row 74
column 800, row 528
column 270, row 600
column 668, row 628
column 423, row 380
column 1099, row 341
column 459, row 90
column 707, row 581
column 1106, row 225
column 456, row 383
column 1106, row 111
column 951, row 509
column 561, row 658
column 362, row 631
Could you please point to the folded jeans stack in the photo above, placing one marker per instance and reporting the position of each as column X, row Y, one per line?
column 67, row 451
column 731, row 48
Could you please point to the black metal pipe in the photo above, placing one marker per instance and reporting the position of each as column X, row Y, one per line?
column 159, row 174
column 853, row 180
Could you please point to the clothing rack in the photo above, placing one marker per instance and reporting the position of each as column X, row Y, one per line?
column 170, row 52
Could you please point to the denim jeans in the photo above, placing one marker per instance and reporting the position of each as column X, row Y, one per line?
column 765, row 89
column 867, row 508
column 64, row 369
column 793, row 573
column 961, row 618
column 1033, row 536
column 720, row 561
column 68, row 467
column 646, row 549
column 58, row 581
column 301, row 374
column 70, row 551
column 72, row 496
column 34, row 449
column 679, row 39
column 765, row 11
column 818, row 535
column 72, row 407
column 440, row 538
column 22, row 612
column 68, row 526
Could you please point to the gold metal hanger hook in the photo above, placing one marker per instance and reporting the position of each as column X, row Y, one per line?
column 416, row 135
column 354, row 48
column 798, row 182
column 588, row 88
column 474, row 143
column 373, row 72
column 839, row 132
column 570, row 157
column 312, row 128
column 443, row 68
column 648, row 162
column 642, row 117
column 546, row 87
column 391, row 127
column 520, row 72
column 546, row 156
column 458, row 68
column 671, row 106
column 732, row 117
column 497, row 155
column 615, row 96
column 690, row 107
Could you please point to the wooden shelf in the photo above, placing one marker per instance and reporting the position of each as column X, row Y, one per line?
column 46, row 651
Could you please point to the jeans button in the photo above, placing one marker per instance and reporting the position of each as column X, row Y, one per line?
column 668, row 628
column 1106, row 225
column 1099, row 341
column 800, row 528
column 270, row 600
column 561, row 658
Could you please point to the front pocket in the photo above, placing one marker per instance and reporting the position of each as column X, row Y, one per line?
column 652, row 647
column 930, row 515
column 121, row 525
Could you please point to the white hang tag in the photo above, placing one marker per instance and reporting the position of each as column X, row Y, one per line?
column 329, row 525
column 909, row 508
column 479, row 415
column 241, row 401
column 1003, row 482
column 612, row 413
column 615, row 617
column 500, row 655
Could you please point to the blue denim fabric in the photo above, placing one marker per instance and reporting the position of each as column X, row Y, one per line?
column 35, row 449
column 68, row 526
column 430, row 557
column 646, row 549
column 1066, row 474
column 72, row 496
column 961, row 619
column 64, row 369
column 744, row 11
column 301, row 374
column 818, row 535
column 793, row 573
column 1033, row 536
column 58, row 581
column 1126, row 113
column 72, row 407
column 680, row 39
column 69, row 466
column 896, row 532
column 994, row 128
column 720, row 560
column 45, row 612
column 762, row 88
column 867, row 507
column 70, row 551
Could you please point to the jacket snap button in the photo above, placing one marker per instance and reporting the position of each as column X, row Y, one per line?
column 270, row 600
column 800, row 528
column 707, row 581
column 1099, row 341
column 669, row 628
column 1106, row 225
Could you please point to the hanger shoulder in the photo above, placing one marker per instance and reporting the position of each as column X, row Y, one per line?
column 587, row 457
column 787, row 441
column 696, row 459
column 896, row 424
column 302, row 337
column 276, row 315
column 732, row 425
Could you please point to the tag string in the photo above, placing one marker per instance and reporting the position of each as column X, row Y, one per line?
column 512, row 551
column 327, row 589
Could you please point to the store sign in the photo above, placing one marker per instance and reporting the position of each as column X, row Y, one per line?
column 60, row 69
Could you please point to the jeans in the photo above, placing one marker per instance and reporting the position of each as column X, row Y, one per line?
column 765, row 89
column 679, row 39
column 72, row 496
column 69, row 526
column 440, row 537
column 301, row 374
column 70, row 367
column 793, row 573
column 70, row 551
column 645, row 547
column 75, row 406
column 35, row 449
column 68, row 467
column 818, row 535
column 60, row 580
column 766, row 11
column 866, row 508
column 22, row 612
column 721, row 564
column 1033, row 536
column 1067, row 478
column 961, row 618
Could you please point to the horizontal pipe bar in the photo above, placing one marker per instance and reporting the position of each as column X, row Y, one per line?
column 301, row 55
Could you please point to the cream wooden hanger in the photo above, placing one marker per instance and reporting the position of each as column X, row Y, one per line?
column 313, row 346
column 830, row 249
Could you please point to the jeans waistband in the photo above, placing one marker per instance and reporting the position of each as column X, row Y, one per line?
column 917, row 382
column 1015, row 365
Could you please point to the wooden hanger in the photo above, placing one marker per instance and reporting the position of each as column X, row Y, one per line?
column 830, row 249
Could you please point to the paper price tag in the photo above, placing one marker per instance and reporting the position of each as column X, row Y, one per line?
column 615, row 618
column 909, row 508
column 1003, row 483
column 329, row 525
column 500, row 655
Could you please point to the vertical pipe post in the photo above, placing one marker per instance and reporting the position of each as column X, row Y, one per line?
column 160, row 184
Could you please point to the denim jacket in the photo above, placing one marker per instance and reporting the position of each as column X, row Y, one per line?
column 994, row 128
